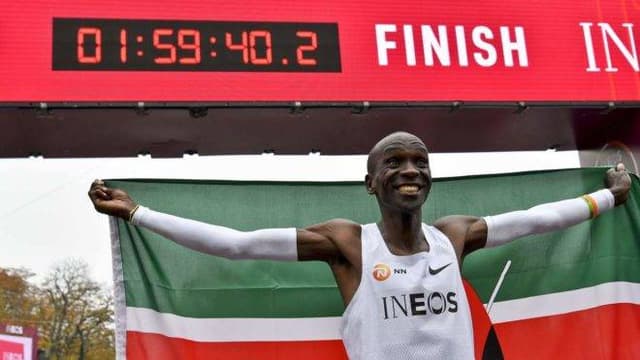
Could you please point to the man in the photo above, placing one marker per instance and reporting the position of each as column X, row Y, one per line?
column 424, row 314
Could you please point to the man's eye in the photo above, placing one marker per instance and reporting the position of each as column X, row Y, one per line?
column 393, row 162
column 422, row 163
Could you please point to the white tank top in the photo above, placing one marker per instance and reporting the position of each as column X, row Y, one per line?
column 408, row 307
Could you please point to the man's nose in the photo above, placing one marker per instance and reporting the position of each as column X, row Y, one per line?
column 410, row 169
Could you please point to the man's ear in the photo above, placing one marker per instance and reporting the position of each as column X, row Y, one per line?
column 369, row 184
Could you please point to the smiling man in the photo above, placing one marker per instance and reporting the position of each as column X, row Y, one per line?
column 399, row 278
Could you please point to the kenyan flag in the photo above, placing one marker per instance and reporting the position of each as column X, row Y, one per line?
column 573, row 294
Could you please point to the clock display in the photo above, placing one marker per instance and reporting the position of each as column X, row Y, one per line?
column 161, row 45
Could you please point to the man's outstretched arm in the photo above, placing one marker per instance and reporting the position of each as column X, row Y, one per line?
column 314, row 243
column 470, row 233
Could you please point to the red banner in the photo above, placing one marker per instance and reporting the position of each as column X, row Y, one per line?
column 333, row 50
column 11, row 350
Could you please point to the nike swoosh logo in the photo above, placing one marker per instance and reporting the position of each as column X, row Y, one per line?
column 437, row 270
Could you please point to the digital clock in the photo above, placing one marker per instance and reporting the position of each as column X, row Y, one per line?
column 161, row 45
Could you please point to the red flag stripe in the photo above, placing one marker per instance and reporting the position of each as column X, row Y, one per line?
column 159, row 347
column 606, row 332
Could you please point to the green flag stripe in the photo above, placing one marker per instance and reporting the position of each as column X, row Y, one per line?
column 562, row 278
column 318, row 302
column 239, row 303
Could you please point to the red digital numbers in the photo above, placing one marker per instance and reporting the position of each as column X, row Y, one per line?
column 268, row 52
column 123, row 46
column 188, row 39
column 179, row 46
column 97, row 53
column 243, row 46
column 194, row 45
column 170, row 58
column 248, row 44
column 313, row 37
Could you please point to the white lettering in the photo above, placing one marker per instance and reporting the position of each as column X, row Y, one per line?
column 463, row 58
column 439, row 45
column 518, row 45
column 383, row 44
column 588, row 42
column 630, row 55
column 478, row 34
column 11, row 356
column 409, row 45
column 484, row 47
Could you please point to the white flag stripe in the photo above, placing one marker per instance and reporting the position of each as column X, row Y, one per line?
column 328, row 328
column 233, row 329
column 566, row 301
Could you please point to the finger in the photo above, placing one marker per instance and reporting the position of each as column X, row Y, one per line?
column 103, row 195
column 97, row 183
column 620, row 167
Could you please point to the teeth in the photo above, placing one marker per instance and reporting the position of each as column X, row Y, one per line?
column 408, row 189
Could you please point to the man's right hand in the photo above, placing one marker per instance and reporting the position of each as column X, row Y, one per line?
column 114, row 202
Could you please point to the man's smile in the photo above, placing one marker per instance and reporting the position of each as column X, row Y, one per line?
column 409, row 189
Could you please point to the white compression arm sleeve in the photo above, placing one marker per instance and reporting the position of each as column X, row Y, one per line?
column 272, row 244
column 543, row 218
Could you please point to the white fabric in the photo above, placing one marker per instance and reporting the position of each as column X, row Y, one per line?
column 419, row 312
column 272, row 244
column 233, row 329
column 119, row 292
column 543, row 218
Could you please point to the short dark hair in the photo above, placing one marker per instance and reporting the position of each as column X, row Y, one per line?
column 377, row 148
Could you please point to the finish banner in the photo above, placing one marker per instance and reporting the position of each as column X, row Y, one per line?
column 572, row 294
column 333, row 50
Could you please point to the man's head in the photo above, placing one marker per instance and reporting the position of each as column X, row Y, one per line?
column 398, row 172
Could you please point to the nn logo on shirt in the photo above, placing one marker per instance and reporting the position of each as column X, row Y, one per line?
column 381, row 272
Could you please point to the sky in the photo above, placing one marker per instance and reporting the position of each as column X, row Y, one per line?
column 46, row 215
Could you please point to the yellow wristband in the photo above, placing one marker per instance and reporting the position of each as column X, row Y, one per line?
column 593, row 205
column 132, row 212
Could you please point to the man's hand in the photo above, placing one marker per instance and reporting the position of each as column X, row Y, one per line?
column 618, row 182
column 109, row 201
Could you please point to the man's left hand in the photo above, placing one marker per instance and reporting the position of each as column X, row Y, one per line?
column 618, row 182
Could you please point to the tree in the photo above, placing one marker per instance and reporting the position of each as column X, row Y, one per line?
column 77, row 314
column 18, row 297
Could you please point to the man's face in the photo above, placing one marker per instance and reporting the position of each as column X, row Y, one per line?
column 399, row 174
